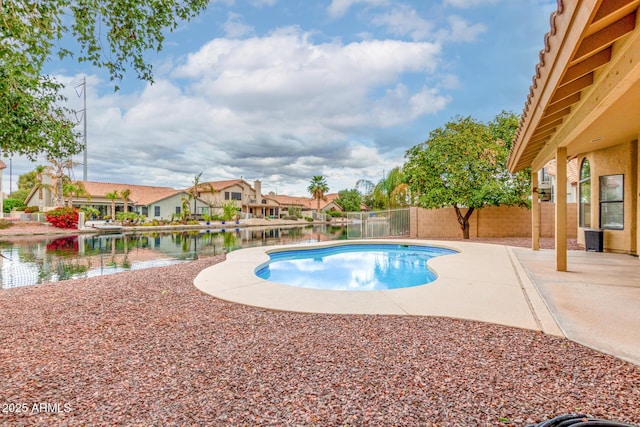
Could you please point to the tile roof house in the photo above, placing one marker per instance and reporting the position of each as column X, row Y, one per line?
column 584, row 104
column 152, row 201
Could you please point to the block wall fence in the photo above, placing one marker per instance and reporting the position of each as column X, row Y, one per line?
column 493, row 221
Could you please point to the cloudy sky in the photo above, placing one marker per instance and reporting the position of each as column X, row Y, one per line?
column 281, row 90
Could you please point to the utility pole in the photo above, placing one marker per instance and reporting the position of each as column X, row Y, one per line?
column 83, row 92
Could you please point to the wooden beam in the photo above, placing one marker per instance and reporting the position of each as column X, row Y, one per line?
column 553, row 124
column 567, row 102
column 535, row 212
column 572, row 88
column 612, row 10
column 561, row 209
column 605, row 36
column 544, row 134
column 556, row 115
column 586, row 66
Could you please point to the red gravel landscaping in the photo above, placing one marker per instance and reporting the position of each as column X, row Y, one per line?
column 147, row 348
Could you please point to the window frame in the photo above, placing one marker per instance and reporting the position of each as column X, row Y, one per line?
column 584, row 181
column 611, row 202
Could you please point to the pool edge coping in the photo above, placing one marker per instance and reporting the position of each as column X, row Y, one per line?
column 491, row 287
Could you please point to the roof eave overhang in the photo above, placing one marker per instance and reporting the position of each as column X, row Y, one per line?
column 578, row 44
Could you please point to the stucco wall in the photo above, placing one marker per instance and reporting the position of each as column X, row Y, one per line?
column 620, row 159
column 494, row 221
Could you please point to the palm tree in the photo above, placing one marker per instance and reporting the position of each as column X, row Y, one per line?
column 196, row 189
column 57, row 171
column 318, row 187
column 125, row 198
column 75, row 189
column 40, row 171
column 391, row 192
column 113, row 196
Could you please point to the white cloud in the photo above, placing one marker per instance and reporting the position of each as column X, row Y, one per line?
column 466, row 4
column 404, row 21
column 461, row 31
column 234, row 27
column 338, row 8
column 280, row 108
column 262, row 3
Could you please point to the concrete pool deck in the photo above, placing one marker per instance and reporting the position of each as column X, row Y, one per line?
column 484, row 282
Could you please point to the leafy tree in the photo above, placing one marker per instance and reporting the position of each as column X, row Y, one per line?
column 463, row 165
column 109, row 34
column 392, row 191
column 365, row 188
column 318, row 188
column 20, row 194
column 229, row 210
column 349, row 200
column 28, row 180
column 113, row 196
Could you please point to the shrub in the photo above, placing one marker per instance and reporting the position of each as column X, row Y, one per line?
column 308, row 218
column 5, row 224
column 64, row 217
column 10, row 204
column 31, row 209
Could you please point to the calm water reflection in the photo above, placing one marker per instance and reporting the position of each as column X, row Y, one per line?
column 71, row 257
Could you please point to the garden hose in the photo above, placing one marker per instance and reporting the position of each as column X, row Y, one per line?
column 579, row 420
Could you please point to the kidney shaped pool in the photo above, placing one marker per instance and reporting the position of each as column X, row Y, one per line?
column 353, row 267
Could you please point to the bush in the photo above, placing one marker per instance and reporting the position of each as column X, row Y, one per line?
column 63, row 217
column 5, row 224
column 31, row 209
column 10, row 204
column 308, row 218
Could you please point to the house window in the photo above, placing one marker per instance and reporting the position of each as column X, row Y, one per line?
column 585, row 194
column 236, row 196
column 156, row 210
column 145, row 210
column 612, row 202
column 177, row 210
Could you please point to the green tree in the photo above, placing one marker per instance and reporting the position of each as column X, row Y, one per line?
column 113, row 196
column 365, row 188
column 463, row 165
column 125, row 194
column 318, row 188
column 392, row 191
column 349, row 200
column 109, row 34
column 75, row 189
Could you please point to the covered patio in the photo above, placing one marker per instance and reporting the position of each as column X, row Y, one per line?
column 584, row 104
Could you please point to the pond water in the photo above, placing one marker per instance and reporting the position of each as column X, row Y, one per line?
column 50, row 259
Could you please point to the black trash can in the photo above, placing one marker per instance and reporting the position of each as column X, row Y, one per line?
column 593, row 239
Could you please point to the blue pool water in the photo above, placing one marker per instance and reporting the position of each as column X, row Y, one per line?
column 357, row 267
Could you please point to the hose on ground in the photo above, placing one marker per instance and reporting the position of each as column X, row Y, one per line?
column 580, row 420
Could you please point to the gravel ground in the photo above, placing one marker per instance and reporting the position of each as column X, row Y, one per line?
column 146, row 348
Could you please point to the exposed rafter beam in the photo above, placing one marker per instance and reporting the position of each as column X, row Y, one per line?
column 586, row 66
column 572, row 88
column 567, row 102
column 557, row 115
column 605, row 37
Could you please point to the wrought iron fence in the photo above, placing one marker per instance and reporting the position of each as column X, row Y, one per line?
column 389, row 223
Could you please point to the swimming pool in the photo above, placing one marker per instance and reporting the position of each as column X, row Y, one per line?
column 353, row 267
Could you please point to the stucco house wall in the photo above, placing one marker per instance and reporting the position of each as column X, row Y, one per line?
column 617, row 160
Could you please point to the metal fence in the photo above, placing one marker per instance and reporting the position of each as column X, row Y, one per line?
column 389, row 223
